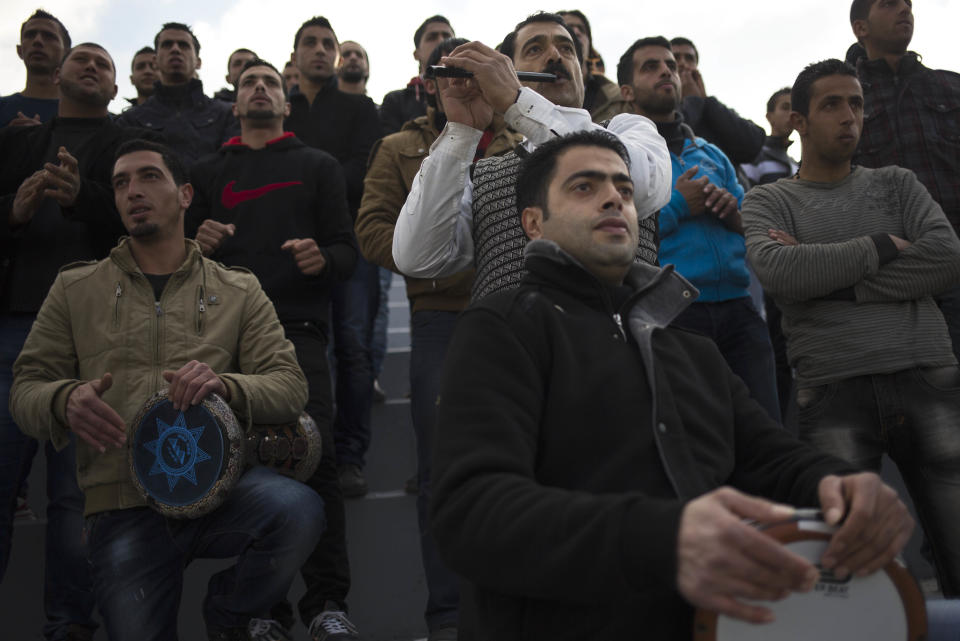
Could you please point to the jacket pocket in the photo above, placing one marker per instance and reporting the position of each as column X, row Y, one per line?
column 944, row 116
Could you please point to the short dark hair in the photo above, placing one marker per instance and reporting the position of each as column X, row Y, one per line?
column 625, row 66
column 442, row 49
column 775, row 98
column 143, row 50
column 583, row 18
column 418, row 34
column 40, row 14
column 315, row 21
column 177, row 26
column 510, row 42
column 802, row 93
column 680, row 40
column 93, row 45
column 172, row 161
column 860, row 9
column 259, row 62
column 538, row 169
column 241, row 50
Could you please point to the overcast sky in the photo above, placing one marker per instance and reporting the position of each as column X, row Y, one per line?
column 748, row 48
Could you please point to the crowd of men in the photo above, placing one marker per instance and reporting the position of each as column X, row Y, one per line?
column 598, row 400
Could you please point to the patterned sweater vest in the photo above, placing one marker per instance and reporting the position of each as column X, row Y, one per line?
column 498, row 237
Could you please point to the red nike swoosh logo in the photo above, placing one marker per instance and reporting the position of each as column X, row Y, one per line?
column 231, row 198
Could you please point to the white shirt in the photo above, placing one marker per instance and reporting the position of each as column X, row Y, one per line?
column 433, row 237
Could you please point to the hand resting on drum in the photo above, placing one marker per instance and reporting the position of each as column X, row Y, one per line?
column 722, row 559
column 93, row 420
column 875, row 523
column 192, row 383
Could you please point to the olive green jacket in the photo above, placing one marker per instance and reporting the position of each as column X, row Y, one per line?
column 102, row 317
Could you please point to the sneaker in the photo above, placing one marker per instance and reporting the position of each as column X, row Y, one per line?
column 332, row 625
column 23, row 511
column 267, row 630
column 352, row 483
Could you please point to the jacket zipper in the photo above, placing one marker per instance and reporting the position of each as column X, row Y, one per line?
column 116, row 306
column 201, row 308
column 619, row 322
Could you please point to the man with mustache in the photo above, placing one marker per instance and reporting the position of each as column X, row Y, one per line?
column 700, row 228
column 853, row 257
column 457, row 216
column 192, row 123
column 43, row 40
column 435, row 306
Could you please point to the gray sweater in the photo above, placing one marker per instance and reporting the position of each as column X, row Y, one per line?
column 852, row 304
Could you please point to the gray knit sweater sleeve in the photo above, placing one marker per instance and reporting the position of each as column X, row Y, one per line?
column 931, row 264
column 807, row 270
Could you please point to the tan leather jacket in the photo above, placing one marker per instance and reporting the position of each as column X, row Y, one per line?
column 394, row 162
column 102, row 317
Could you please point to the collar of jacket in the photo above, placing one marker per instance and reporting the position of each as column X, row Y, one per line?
column 191, row 92
column 123, row 258
column 676, row 133
column 909, row 64
column 284, row 141
column 296, row 94
column 658, row 294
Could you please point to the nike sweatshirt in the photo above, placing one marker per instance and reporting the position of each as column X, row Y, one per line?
column 284, row 191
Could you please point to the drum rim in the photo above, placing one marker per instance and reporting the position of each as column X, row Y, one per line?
column 230, row 474
column 705, row 621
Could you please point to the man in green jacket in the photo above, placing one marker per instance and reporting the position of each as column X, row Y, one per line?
column 110, row 334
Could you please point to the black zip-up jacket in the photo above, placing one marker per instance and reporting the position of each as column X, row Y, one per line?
column 33, row 254
column 403, row 105
column 343, row 125
column 285, row 190
column 740, row 139
column 571, row 433
column 193, row 124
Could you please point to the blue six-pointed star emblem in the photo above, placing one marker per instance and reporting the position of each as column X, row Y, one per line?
column 176, row 450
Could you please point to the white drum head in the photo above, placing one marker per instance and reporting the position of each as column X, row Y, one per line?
column 885, row 606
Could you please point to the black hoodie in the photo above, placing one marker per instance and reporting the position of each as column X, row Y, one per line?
column 285, row 190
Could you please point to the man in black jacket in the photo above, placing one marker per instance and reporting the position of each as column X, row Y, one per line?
column 345, row 126
column 587, row 453
column 408, row 103
column 192, row 123
column 57, row 206
column 740, row 139
column 272, row 204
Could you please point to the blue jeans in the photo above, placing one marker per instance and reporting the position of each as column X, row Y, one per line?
column 743, row 340
column 430, row 333
column 914, row 416
column 378, row 343
column 68, row 592
column 270, row 522
column 354, row 307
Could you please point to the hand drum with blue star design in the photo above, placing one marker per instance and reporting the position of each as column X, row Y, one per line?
column 185, row 462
